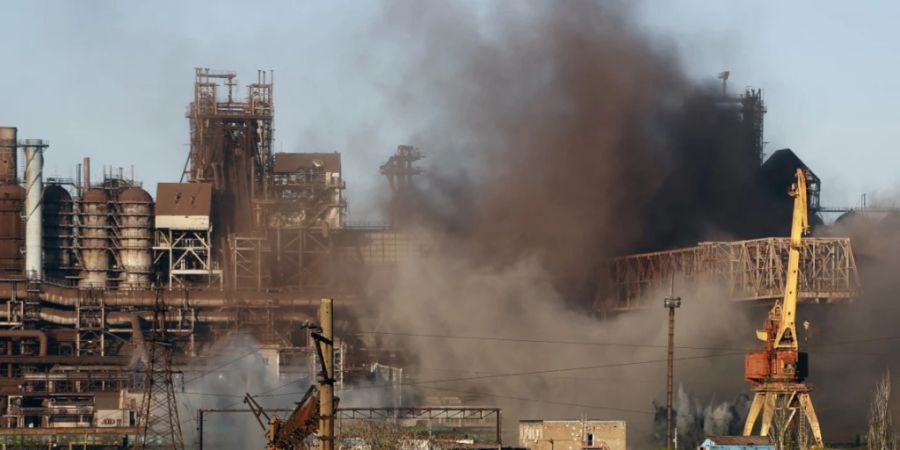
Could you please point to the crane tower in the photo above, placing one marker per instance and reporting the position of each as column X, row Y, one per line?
column 777, row 372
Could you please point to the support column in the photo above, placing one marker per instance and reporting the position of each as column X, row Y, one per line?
column 326, row 391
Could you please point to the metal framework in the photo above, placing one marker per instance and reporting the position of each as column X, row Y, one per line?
column 247, row 259
column 400, row 170
column 454, row 416
column 186, row 256
column 160, row 427
column 90, row 319
column 751, row 270
column 471, row 417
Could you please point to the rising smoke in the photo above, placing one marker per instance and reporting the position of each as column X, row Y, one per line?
column 697, row 420
column 562, row 132
column 558, row 135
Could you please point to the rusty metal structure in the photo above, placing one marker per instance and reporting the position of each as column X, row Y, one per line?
column 248, row 241
column 749, row 271
column 160, row 426
column 12, row 198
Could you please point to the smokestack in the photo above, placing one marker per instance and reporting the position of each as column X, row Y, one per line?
column 34, row 189
column 8, row 155
column 86, row 174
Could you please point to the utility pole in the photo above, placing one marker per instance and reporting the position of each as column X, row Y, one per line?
column 671, row 302
column 160, row 427
column 326, row 390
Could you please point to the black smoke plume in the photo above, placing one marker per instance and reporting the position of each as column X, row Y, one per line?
column 561, row 130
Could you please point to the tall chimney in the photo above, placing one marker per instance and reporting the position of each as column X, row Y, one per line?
column 86, row 174
column 34, row 190
column 8, row 155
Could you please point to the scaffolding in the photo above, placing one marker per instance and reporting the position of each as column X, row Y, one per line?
column 90, row 319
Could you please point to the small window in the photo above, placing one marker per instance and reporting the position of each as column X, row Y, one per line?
column 590, row 439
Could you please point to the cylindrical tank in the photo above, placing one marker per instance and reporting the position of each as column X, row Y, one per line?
column 57, row 226
column 8, row 155
column 135, row 237
column 94, row 237
column 12, row 230
column 34, row 208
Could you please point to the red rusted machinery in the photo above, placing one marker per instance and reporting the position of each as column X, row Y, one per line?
column 289, row 434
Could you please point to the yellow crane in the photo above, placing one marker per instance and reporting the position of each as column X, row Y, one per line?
column 777, row 372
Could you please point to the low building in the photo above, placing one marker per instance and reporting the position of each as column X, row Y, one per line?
column 572, row 434
column 737, row 443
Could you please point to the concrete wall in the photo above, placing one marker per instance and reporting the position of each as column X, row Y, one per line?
column 572, row 434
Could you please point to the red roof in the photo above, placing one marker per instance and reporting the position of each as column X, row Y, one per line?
column 183, row 199
column 741, row 440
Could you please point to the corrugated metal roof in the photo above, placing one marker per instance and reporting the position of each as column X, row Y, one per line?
column 183, row 199
column 295, row 162
column 740, row 440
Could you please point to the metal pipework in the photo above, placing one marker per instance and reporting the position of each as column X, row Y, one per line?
column 69, row 296
column 34, row 190
column 39, row 335
column 8, row 145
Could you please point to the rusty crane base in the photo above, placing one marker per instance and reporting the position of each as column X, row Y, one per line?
column 751, row 270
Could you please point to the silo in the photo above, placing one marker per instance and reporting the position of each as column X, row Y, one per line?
column 12, row 230
column 8, row 155
column 135, row 237
column 57, row 226
column 94, row 238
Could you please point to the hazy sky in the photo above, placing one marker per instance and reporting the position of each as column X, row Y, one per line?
column 112, row 80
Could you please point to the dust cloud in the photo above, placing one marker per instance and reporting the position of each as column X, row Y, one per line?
column 558, row 134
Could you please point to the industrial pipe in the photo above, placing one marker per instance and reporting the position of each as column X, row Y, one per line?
column 34, row 190
column 37, row 334
column 69, row 296
column 63, row 317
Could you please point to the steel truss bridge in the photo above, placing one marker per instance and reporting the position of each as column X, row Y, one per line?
column 751, row 270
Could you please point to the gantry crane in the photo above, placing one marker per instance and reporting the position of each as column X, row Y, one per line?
column 778, row 371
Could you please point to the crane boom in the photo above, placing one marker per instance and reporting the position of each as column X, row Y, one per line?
column 786, row 337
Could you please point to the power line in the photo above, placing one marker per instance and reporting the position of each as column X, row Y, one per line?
column 548, row 402
column 542, row 341
column 209, row 371
column 528, row 373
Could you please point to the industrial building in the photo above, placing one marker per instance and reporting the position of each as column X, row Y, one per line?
column 572, row 434
column 93, row 270
column 249, row 241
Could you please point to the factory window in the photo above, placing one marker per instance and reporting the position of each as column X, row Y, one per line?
column 590, row 439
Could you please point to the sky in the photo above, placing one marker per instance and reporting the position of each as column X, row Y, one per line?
column 112, row 80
